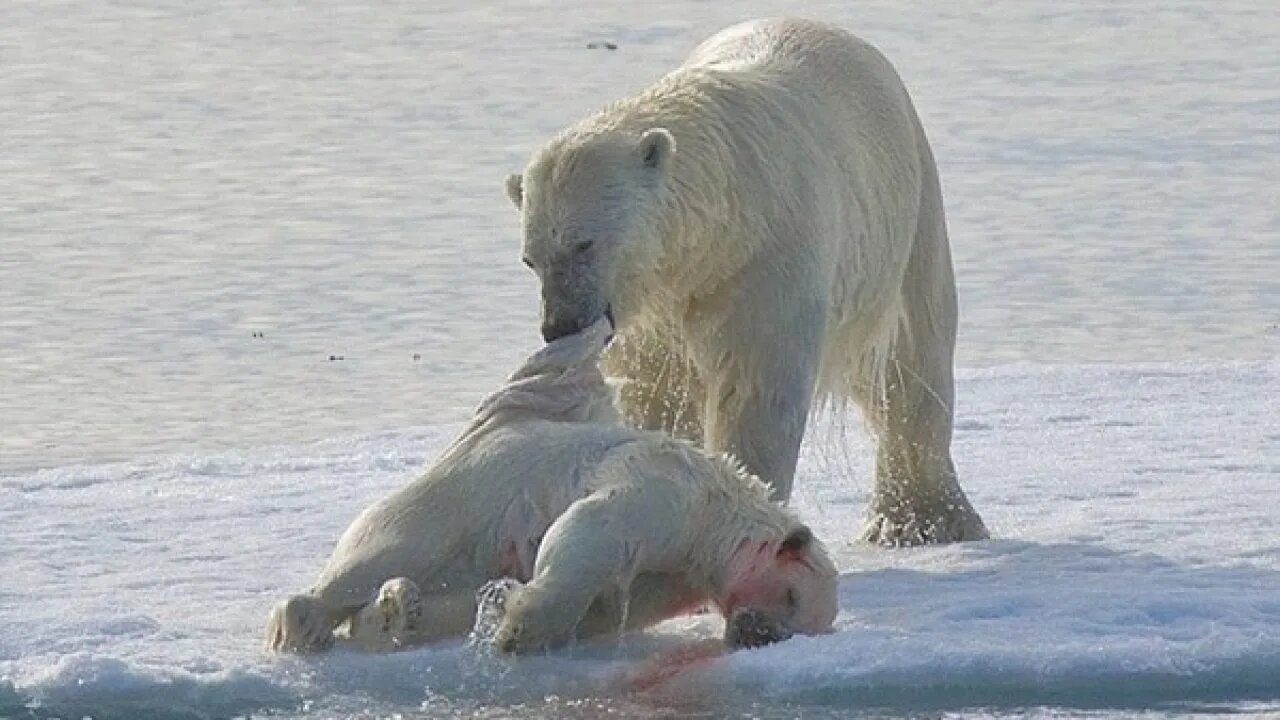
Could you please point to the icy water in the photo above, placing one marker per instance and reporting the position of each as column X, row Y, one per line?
column 256, row 265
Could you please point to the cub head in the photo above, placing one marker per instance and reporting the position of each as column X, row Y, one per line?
column 777, row 589
column 589, row 206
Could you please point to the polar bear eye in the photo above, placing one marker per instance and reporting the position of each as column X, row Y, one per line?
column 791, row 599
column 583, row 246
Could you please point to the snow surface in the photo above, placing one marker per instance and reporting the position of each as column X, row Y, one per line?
column 1136, row 565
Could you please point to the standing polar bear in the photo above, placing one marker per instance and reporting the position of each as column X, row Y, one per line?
column 765, row 224
column 609, row 526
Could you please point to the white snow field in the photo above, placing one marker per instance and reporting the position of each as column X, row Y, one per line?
column 204, row 201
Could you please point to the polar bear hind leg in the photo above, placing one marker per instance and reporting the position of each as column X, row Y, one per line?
column 906, row 391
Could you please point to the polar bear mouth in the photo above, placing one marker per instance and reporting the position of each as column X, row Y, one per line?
column 553, row 330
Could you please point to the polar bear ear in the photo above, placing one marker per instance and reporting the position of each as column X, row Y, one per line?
column 515, row 189
column 656, row 147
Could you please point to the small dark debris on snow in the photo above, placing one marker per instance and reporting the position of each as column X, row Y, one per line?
column 417, row 357
column 336, row 357
column 602, row 45
column 258, row 334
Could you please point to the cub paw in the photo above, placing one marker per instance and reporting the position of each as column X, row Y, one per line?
column 392, row 620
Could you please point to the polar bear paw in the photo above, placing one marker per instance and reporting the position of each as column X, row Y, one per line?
column 491, row 608
column 300, row 624
column 908, row 527
column 492, row 596
column 392, row 620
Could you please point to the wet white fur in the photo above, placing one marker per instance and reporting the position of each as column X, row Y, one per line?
column 547, row 486
column 766, row 223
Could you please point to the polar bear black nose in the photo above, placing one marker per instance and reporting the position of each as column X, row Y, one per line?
column 556, row 329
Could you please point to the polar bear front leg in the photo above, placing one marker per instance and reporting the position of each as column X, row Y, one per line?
column 759, row 393
column 651, row 598
column 662, row 391
column 582, row 557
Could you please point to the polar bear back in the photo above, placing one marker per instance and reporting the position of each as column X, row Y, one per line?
column 863, row 148
column 500, row 482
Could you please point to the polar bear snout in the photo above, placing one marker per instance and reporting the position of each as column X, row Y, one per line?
column 555, row 328
column 573, row 297
column 752, row 628
column 558, row 324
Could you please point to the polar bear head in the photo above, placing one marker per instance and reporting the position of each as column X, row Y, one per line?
column 589, row 205
column 775, row 589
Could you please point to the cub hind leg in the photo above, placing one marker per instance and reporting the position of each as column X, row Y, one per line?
column 391, row 620
column 402, row 616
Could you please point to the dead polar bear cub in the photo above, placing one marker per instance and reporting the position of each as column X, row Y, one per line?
column 605, row 523
column 765, row 223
